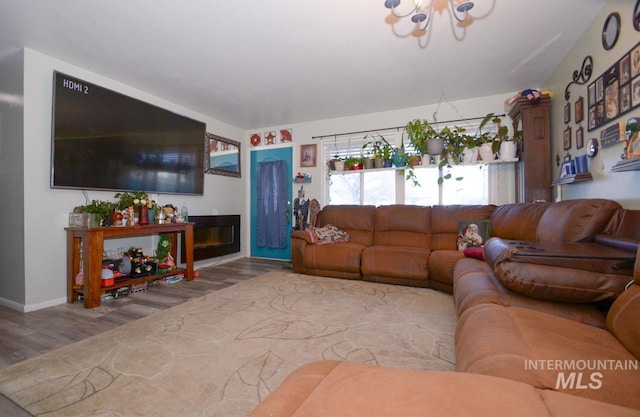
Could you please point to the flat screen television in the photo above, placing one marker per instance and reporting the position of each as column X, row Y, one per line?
column 104, row 140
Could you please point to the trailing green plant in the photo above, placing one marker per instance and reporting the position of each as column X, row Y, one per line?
column 132, row 198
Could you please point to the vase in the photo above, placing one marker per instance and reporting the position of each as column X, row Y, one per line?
column 400, row 159
column 469, row 155
column 508, row 150
column 143, row 216
column 486, row 153
column 435, row 146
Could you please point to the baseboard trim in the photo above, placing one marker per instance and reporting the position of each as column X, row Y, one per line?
column 31, row 307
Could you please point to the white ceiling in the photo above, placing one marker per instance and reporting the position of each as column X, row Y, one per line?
column 273, row 62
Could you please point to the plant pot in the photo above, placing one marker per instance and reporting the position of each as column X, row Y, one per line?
column 378, row 163
column 486, row 153
column 508, row 150
column 400, row 159
column 338, row 165
column 387, row 163
column 426, row 159
column 435, row 146
column 469, row 155
column 368, row 163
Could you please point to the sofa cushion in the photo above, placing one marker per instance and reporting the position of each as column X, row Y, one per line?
column 476, row 284
column 517, row 221
column 343, row 257
column 349, row 389
column 441, row 266
column 575, row 220
column 358, row 221
column 395, row 262
column 445, row 221
column 622, row 319
column 403, row 225
column 566, row 272
column 547, row 352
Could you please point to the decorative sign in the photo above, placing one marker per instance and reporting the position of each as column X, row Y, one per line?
column 612, row 135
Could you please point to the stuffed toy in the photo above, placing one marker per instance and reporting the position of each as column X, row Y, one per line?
column 532, row 95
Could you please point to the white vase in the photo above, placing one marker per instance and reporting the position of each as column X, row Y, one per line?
column 435, row 146
column 486, row 153
column 339, row 165
column 508, row 150
column 469, row 155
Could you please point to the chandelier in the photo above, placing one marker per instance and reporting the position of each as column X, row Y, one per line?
column 421, row 13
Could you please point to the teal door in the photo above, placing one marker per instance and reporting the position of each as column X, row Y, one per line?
column 271, row 185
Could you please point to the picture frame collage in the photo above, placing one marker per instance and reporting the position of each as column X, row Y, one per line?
column 616, row 91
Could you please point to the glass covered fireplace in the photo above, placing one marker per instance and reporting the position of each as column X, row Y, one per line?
column 214, row 236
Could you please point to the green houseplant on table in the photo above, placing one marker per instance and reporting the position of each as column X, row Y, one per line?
column 101, row 211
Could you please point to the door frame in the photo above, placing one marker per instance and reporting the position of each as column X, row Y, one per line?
column 259, row 155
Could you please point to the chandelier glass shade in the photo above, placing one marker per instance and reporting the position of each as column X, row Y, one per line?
column 423, row 11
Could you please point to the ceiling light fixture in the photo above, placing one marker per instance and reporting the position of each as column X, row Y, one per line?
column 421, row 13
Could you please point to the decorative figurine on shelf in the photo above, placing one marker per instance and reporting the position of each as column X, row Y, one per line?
column 169, row 212
column 131, row 221
column 160, row 217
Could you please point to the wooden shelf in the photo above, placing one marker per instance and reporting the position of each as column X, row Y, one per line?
column 430, row 166
column 572, row 179
column 90, row 242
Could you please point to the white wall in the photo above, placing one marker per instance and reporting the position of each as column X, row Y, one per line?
column 46, row 210
column 623, row 187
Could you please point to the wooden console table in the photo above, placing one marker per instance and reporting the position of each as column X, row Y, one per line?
column 91, row 241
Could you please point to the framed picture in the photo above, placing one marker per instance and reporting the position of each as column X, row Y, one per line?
column 473, row 233
column 308, row 155
column 567, row 138
column 567, row 113
column 565, row 169
column 579, row 138
column 579, row 110
column 625, row 69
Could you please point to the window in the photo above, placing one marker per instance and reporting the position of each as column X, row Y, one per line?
column 478, row 184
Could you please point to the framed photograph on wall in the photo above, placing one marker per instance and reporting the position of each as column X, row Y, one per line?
column 308, row 155
column 579, row 110
column 567, row 138
column 579, row 138
column 567, row 113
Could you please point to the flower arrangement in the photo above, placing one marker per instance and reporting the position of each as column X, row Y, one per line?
column 134, row 199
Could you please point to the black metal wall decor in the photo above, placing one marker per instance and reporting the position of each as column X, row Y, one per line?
column 636, row 16
column 580, row 77
column 616, row 91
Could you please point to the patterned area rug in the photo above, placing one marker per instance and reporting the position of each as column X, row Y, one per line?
column 221, row 354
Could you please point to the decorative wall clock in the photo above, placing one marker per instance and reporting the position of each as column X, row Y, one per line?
column 611, row 30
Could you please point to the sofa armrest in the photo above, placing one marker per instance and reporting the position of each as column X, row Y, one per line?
column 301, row 234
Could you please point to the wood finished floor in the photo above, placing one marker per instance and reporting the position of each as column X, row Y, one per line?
column 25, row 335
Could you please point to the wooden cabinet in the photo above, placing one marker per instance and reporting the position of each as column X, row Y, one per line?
column 533, row 171
column 90, row 241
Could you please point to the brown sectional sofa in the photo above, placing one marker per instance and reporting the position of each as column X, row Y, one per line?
column 519, row 326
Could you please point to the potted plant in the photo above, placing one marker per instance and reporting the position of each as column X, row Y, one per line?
column 100, row 211
column 352, row 163
column 382, row 151
column 424, row 138
column 495, row 141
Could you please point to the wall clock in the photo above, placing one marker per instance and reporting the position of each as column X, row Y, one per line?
column 592, row 147
column 611, row 30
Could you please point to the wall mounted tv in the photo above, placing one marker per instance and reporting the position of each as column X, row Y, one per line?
column 104, row 140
